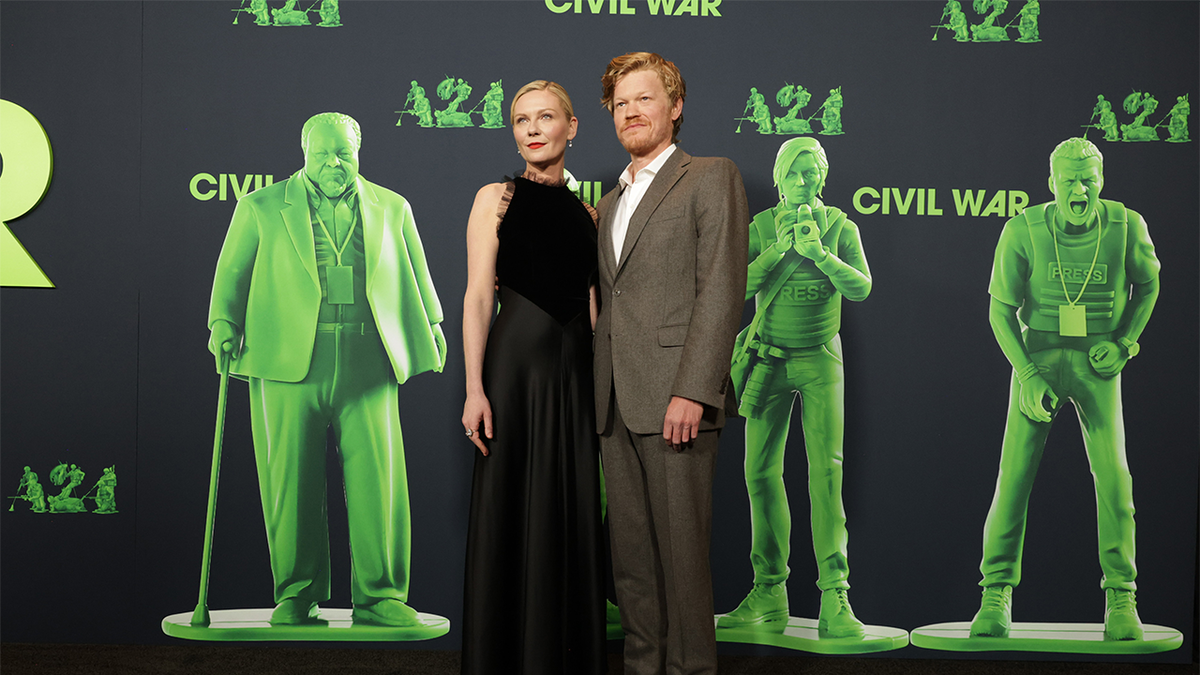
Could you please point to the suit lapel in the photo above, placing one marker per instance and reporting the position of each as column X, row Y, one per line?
column 670, row 173
column 608, row 256
column 373, row 224
column 299, row 227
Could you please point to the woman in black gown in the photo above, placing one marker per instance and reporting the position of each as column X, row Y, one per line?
column 534, row 594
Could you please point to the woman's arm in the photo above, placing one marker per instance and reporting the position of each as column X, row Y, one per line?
column 478, row 305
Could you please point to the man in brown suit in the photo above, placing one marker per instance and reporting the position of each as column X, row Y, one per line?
column 673, row 239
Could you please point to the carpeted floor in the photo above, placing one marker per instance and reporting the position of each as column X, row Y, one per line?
column 50, row 659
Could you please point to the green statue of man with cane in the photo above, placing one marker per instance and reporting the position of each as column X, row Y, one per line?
column 804, row 257
column 1073, row 285
column 323, row 300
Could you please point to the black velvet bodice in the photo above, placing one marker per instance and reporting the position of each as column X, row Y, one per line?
column 547, row 248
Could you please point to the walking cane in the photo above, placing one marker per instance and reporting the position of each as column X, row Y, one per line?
column 200, row 616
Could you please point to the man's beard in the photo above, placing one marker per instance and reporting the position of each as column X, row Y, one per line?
column 641, row 143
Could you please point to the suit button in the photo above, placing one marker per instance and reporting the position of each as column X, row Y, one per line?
column 616, row 292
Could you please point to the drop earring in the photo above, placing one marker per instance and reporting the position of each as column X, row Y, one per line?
column 570, row 143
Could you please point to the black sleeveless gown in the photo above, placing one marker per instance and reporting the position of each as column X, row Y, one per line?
column 534, row 592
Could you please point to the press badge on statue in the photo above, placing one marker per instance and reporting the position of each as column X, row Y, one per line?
column 1072, row 320
column 339, row 285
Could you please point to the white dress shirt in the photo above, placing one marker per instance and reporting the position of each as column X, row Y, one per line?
column 633, row 188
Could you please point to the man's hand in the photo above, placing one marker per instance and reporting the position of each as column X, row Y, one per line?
column 682, row 424
column 1107, row 358
column 1033, row 390
column 224, row 338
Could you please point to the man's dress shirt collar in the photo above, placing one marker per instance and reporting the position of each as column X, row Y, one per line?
column 633, row 188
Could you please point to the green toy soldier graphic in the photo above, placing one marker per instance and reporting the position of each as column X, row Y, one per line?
column 756, row 111
column 34, row 493
column 417, row 104
column 259, row 8
column 987, row 31
column 1178, row 125
column 106, row 492
column 958, row 23
column 1137, row 129
column 262, row 13
column 493, row 113
column 456, row 92
column 804, row 257
column 953, row 19
column 1073, row 284
column 831, row 119
column 331, row 16
column 288, row 15
column 1028, row 26
column 1108, row 124
column 1107, row 121
column 797, row 97
column 64, row 501
column 951, row 7
column 323, row 300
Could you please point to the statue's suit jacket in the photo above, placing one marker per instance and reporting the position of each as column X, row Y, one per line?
column 267, row 284
column 671, row 306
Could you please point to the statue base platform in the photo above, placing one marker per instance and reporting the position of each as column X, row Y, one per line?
column 335, row 625
column 1063, row 638
column 801, row 634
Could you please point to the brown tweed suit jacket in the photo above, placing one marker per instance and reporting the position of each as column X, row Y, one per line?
column 671, row 306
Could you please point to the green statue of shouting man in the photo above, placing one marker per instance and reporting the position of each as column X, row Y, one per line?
column 1073, row 284
column 323, row 300
column 804, row 257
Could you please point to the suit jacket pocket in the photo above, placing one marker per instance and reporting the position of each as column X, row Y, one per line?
column 673, row 335
column 661, row 216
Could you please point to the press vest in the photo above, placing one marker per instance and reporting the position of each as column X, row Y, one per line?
column 1107, row 290
column 807, row 310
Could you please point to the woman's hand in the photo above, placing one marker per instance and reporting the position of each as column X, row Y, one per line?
column 477, row 412
column 479, row 302
column 785, row 226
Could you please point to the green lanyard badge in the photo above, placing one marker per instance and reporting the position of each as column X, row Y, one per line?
column 339, row 279
column 1072, row 317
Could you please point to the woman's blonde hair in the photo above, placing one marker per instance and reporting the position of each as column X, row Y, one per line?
column 542, row 85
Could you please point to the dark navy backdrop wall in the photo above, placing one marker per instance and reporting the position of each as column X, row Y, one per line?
column 139, row 99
